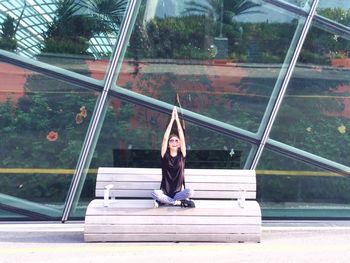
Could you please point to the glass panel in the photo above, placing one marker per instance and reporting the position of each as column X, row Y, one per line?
column 315, row 113
column 336, row 10
column 289, row 189
column 75, row 35
column 42, row 127
column 131, row 136
column 87, row 194
column 221, row 64
column 9, row 216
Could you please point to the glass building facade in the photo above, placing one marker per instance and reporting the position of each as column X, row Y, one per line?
column 260, row 84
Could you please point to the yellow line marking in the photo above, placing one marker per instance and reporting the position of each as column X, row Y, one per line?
column 295, row 173
column 40, row 171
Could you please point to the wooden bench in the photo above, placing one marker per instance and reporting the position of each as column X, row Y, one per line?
column 226, row 210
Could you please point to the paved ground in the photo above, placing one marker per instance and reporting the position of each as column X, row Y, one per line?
column 29, row 243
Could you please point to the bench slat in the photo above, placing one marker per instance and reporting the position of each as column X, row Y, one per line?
column 173, row 237
column 198, row 194
column 150, row 171
column 177, row 211
column 188, row 178
column 173, row 219
column 199, row 185
column 184, row 229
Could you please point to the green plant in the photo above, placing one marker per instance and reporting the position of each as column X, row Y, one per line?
column 76, row 23
column 7, row 37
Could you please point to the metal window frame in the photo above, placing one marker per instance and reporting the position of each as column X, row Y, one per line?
column 94, row 127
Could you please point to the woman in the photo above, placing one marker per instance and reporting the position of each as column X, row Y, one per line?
column 173, row 153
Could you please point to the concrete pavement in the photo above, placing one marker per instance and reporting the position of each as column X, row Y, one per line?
column 294, row 242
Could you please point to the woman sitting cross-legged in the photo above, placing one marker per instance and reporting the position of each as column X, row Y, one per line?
column 173, row 153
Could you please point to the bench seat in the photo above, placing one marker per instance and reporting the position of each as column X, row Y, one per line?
column 221, row 215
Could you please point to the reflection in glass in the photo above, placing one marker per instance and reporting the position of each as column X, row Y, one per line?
column 338, row 11
column 42, row 127
column 9, row 216
column 315, row 114
column 66, row 33
column 131, row 136
column 299, row 3
column 291, row 189
column 222, row 60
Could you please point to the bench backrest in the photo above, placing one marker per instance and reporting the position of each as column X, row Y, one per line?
column 207, row 183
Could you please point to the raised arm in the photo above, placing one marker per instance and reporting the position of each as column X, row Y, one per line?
column 167, row 134
column 181, row 134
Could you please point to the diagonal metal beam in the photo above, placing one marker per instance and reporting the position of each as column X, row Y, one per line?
column 97, row 118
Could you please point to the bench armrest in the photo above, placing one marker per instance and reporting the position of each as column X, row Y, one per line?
column 106, row 194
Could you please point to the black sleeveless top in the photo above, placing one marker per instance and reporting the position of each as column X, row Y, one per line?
column 172, row 173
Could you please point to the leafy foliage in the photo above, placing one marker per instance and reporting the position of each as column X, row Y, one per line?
column 220, row 10
column 8, row 40
column 76, row 23
column 171, row 37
